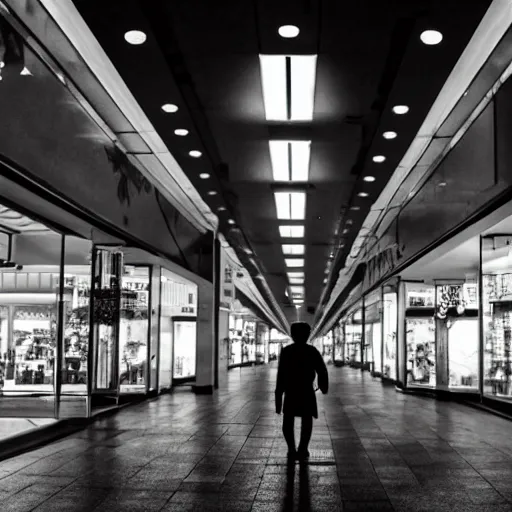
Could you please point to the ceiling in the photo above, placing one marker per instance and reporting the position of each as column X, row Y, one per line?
column 204, row 57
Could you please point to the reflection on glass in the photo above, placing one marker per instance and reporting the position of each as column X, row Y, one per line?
column 353, row 336
column 107, row 298
column 420, row 335
column 421, row 355
column 390, row 319
column 134, row 330
column 77, row 292
column 165, row 373
column 185, row 342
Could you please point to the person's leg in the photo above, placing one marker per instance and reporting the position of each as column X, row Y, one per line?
column 289, row 436
column 305, row 435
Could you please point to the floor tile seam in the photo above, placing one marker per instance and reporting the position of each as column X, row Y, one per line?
column 48, row 497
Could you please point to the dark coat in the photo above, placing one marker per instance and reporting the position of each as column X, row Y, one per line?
column 298, row 365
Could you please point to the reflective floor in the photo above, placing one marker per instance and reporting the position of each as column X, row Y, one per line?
column 372, row 449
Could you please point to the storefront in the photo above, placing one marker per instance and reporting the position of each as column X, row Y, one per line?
column 276, row 343
column 81, row 326
column 242, row 339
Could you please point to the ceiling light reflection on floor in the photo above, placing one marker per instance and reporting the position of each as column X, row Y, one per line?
column 431, row 37
column 400, row 109
column 288, row 31
column 169, row 108
column 181, row 132
column 135, row 37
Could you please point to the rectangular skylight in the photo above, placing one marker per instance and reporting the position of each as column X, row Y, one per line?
column 290, row 159
column 293, row 249
column 290, row 205
column 296, row 280
column 291, row 275
column 291, row 231
column 297, row 290
column 295, row 262
column 299, row 81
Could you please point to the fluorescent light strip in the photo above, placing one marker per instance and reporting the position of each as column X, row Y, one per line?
column 290, row 205
column 282, row 168
column 291, row 231
column 297, row 290
column 274, row 84
column 293, row 249
column 273, row 80
column 296, row 280
column 303, row 70
column 291, row 275
column 295, row 262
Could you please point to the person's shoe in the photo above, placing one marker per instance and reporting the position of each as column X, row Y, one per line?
column 302, row 454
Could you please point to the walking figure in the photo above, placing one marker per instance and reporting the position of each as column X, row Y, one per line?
column 298, row 365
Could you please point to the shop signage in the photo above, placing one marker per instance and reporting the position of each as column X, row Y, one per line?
column 187, row 309
column 380, row 265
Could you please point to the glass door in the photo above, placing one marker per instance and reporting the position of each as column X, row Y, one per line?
column 106, row 315
column 185, row 340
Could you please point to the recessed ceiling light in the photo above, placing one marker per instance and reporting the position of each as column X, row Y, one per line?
column 221, row 209
column 442, row 184
column 355, row 208
column 431, row 37
column 288, row 31
column 369, row 179
column 350, row 222
column 205, row 176
column 345, row 231
column 170, row 108
column 326, row 270
column 135, row 37
column 2, row 64
column 400, row 109
column 231, row 221
column 25, row 72
column 379, row 159
column 181, row 132
column 212, row 193
column 389, row 135
column 194, row 153
column 363, row 194
column 325, row 281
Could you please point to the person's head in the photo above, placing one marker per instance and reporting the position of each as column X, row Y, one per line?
column 300, row 332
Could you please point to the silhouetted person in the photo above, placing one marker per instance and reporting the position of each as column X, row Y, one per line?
column 298, row 365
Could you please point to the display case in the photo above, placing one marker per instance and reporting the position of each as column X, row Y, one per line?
column 420, row 336
column 497, row 314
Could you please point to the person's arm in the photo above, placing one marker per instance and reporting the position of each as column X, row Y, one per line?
column 321, row 371
column 281, row 370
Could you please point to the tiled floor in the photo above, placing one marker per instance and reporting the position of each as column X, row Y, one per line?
column 372, row 450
